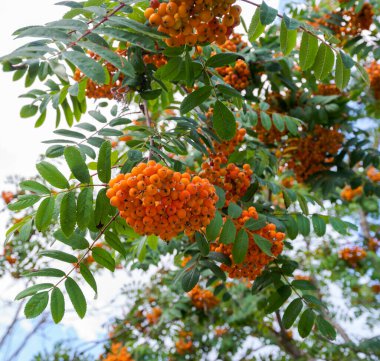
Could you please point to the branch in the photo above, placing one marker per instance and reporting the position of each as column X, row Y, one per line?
column 145, row 110
column 8, row 331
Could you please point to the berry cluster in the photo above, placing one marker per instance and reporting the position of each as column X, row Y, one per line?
column 234, row 44
column 7, row 196
column 314, row 152
column 234, row 180
column 203, row 299
column 118, row 352
column 109, row 91
column 348, row 194
column 158, row 60
column 154, row 316
column 220, row 331
column 375, row 288
column 268, row 137
column 348, row 23
column 352, row 255
column 255, row 259
column 373, row 244
column 373, row 174
column 328, row 89
column 374, row 76
column 237, row 75
column 153, row 199
column 184, row 344
column 192, row 22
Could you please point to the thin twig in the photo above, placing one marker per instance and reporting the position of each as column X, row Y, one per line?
column 149, row 124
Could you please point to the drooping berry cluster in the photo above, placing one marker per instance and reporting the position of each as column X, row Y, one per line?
column 154, row 316
column 373, row 174
column 313, row 152
column 255, row 259
column 7, row 196
column 158, row 60
column 203, row 299
column 348, row 194
column 328, row 89
column 237, row 75
column 234, row 44
column 154, row 199
column 348, row 22
column 374, row 77
column 352, row 255
column 233, row 179
column 118, row 352
column 184, row 344
column 194, row 22
column 109, row 91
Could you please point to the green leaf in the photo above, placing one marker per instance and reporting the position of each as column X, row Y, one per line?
column 214, row 228
column 222, row 59
column 288, row 38
column 190, row 279
column 342, row 74
column 264, row 244
column 47, row 272
column 194, row 99
column 308, row 50
column 303, row 225
column 28, row 111
column 363, row 73
column 68, row 215
column 88, row 277
column 291, row 313
column 52, row 175
column 45, row 213
column 319, row 225
column 77, row 164
column 267, row 14
column 306, row 322
column 104, row 162
column 229, row 91
column 278, row 298
column 84, row 207
column 104, row 258
column 292, row 124
column 170, row 70
column 256, row 28
column 224, row 121
column 32, row 290
column 202, row 243
column 240, row 247
column 86, row 65
column 114, row 242
column 325, row 328
column 76, row 297
column 221, row 197
column 33, row 186
column 228, row 232
column 23, row 201
column 255, row 224
column 324, row 62
column 69, row 133
column 278, row 121
column 265, row 120
column 36, row 305
column 234, row 211
column 57, row 305
column 303, row 204
column 303, row 285
column 291, row 24
column 59, row 255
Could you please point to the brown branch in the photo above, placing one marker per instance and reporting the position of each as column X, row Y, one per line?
column 8, row 331
column 145, row 110
column 364, row 223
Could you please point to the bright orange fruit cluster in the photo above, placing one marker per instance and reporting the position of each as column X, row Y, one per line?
column 203, row 299
column 234, row 180
column 314, row 152
column 158, row 60
column 255, row 259
column 373, row 174
column 154, row 316
column 7, row 196
column 118, row 352
column 374, row 78
column 348, row 194
column 154, row 199
column 194, row 22
column 352, row 255
column 352, row 23
column 184, row 344
column 328, row 89
column 97, row 91
column 233, row 44
column 237, row 75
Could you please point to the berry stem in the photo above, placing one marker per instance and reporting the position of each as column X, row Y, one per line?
column 149, row 124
